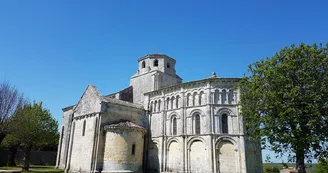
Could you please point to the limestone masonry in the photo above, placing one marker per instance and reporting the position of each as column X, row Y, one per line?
column 158, row 124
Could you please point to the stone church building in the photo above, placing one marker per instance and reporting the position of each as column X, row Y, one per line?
column 158, row 124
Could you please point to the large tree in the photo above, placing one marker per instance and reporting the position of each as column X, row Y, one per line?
column 10, row 99
column 285, row 101
column 33, row 126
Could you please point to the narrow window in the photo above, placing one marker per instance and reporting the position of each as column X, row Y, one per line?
column 224, row 96
column 159, row 105
column 83, row 128
column 168, row 65
column 172, row 103
column 167, row 103
column 155, row 106
column 197, row 123
column 155, row 63
column 224, row 123
column 177, row 102
column 133, row 149
column 151, row 107
column 174, row 126
column 143, row 65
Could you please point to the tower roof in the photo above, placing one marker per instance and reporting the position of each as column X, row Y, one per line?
column 155, row 55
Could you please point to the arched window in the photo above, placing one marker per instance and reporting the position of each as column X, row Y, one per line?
column 172, row 103
column 177, row 102
column 224, row 122
column 143, row 64
column 159, row 105
column 155, row 63
column 224, row 96
column 167, row 103
column 197, row 124
column 168, row 65
column 174, row 125
column 133, row 149
column 83, row 128
column 155, row 106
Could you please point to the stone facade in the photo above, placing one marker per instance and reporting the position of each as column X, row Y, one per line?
column 192, row 127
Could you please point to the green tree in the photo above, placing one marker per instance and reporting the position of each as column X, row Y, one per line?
column 285, row 101
column 322, row 166
column 34, row 126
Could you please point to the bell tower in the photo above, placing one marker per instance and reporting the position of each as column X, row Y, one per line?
column 155, row 71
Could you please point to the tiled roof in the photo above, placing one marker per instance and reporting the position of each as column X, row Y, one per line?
column 155, row 55
column 121, row 102
column 125, row 124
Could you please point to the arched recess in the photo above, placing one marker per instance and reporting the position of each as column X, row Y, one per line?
column 189, row 99
column 224, row 96
column 216, row 96
column 201, row 99
column 174, row 156
column 172, row 102
column 167, row 103
column 198, row 156
column 226, row 156
column 153, row 157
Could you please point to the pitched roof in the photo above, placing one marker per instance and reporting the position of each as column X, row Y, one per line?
column 107, row 99
column 125, row 123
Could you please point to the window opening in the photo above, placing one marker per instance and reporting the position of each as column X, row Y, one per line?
column 224, row 123
column 155, row 63
column 83, row 128
column 197, row 124
column 133, row 149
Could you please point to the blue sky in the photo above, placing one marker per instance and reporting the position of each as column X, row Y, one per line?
column 51, row 50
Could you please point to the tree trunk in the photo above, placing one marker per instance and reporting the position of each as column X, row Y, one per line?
column 12, row 155
column 26, row 159
column 300, row 166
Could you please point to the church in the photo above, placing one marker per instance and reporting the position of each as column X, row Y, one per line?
column 158, row 124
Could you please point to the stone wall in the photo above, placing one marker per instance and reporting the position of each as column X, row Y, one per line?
column 123, row 150
column 213, row 149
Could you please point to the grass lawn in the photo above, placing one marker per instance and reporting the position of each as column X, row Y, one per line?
column 35, row 168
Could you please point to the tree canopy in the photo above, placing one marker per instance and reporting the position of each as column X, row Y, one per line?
column 285, row 101
column 33, row 126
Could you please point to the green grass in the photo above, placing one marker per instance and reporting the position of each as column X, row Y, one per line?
column 309, row 167
column 35, row 169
